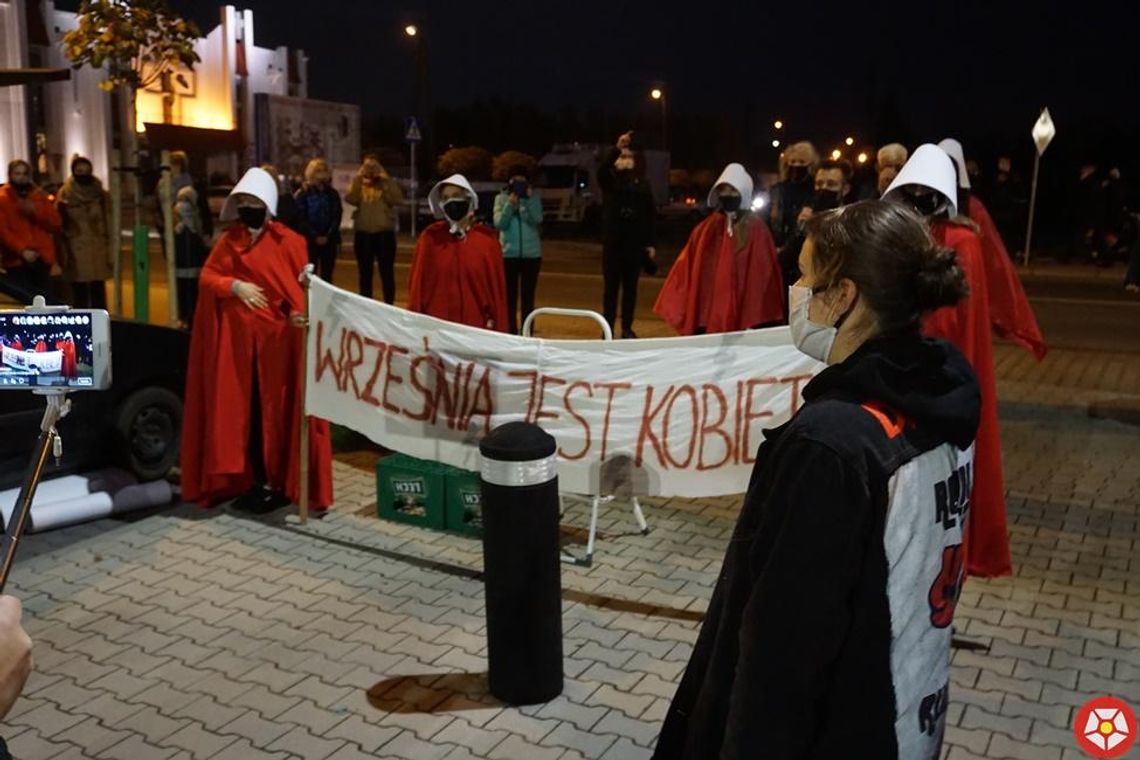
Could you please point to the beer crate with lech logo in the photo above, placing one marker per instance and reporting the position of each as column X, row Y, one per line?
column 464, row 502
column 410, row 490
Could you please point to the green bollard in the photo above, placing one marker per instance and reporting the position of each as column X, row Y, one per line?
column 142, row 273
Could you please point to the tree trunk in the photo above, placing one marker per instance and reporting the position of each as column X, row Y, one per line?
column 129, row 143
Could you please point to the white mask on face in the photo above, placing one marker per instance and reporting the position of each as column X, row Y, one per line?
column 811, row 338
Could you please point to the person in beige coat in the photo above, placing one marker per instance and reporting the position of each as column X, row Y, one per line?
column 85, row 209
column 376, row 195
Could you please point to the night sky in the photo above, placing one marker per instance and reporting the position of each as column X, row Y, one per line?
column 977, row 70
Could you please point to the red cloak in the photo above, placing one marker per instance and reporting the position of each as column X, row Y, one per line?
column 1010, row 312
column 69, row 368
column 229, row 340
column 20, row 231
column 41, row 346
column 967, row 326
column 460, row 279
column 715, row 286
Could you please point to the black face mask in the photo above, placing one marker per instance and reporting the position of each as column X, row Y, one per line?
column 925, row 205
column 797, row 173
column 825, row 200
column 730, row 204
column 84, row 179
column 252, row 216
column 456, row 209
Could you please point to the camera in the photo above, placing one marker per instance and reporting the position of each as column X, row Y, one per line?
column 55, row 350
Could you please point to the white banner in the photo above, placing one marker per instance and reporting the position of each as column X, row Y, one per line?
column 41, row 361
column 659, row 416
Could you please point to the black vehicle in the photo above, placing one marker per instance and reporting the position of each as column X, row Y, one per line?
column 136, row 424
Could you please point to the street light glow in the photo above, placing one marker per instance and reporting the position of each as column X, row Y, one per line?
column 850, row 141
column 411, row 30
column 862, row 158
column 835, row 154
column 779, row 124
column 775, row 143
column 656, row 93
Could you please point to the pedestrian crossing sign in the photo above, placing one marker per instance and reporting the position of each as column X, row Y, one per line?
column 412, row 132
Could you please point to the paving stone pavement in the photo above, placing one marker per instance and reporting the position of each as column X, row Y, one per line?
column 194, row 634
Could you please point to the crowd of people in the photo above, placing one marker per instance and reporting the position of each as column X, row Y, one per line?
column 898, row 295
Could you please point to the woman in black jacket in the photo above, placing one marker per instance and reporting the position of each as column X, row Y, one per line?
column 628, row 216
column 828, row 634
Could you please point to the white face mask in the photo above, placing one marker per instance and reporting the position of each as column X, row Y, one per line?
column 811, row 338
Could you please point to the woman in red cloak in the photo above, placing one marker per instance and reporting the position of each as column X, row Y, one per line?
column 1010, row 313
column 928, row 183
column 241, row 428
column 727, row 277
column 69, row 366
column 457, row 272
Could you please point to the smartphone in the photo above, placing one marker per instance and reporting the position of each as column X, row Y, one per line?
column 68, row 350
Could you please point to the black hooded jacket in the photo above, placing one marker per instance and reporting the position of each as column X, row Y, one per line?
column 828, row 633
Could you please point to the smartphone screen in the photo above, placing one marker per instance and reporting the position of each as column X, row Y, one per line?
column 67, row 350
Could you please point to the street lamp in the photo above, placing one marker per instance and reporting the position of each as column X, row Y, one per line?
column 779, row 124
column 862, row 158
column 836, row 154
column 775, row 143
column 850, row 141
column 658, row 93
column 422, row 109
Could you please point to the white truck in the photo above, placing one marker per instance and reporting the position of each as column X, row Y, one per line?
column 567, row 180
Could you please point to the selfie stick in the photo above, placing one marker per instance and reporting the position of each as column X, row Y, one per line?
column 303, row 507
column 57, row 407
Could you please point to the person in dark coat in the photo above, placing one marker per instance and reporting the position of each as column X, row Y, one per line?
column 288, row 213
column 793, row 192
column 320, row 213
column 828, row 633
column 628, row 223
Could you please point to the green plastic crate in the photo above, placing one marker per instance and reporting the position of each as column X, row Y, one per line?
column 464, row 502
column 412, row 491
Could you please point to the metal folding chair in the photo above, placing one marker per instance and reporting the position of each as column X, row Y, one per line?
column 596, row 500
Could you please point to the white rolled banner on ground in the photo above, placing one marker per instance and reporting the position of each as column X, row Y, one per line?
column 659, row 416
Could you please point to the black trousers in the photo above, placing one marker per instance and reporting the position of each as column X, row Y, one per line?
column 323, row 257
column 89, row 295
column 187, row 298
column 522, row 275
column 621, row 268
column 378, row 248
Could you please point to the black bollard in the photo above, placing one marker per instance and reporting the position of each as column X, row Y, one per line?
column 521, row 564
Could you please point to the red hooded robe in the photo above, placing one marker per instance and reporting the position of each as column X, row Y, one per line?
column 1010, row 312
column 720, row 288
column 69, row 367
column 228, row 341
column 967, row 326
column 460, row 279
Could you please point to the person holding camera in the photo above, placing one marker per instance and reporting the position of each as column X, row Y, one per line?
column 376, row 196
column 28, row 222
column 628, row 217
column 15, row 658
column 518, row 218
